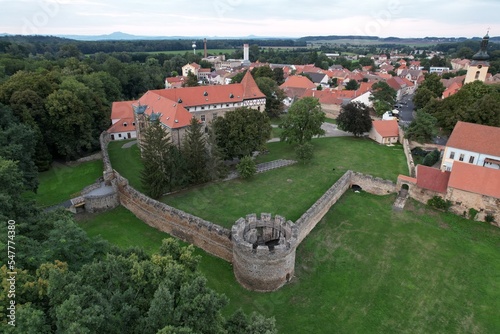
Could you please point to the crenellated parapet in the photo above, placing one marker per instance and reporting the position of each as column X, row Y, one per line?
column 264, row 251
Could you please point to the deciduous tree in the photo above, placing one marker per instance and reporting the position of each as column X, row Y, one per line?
column 303, row 121
column 355, row 117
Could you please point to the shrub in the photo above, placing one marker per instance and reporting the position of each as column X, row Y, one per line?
column 431, row 158
column 439, row 203
column 489, row 218
column 472, row 213
column 304, row 152
column 246, row 167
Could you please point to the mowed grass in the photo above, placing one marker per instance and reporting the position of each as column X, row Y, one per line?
column 127, row 161
column 61, row 182
column 290, row 191
column 364, row 269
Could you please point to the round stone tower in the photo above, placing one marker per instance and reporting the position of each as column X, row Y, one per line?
column 263, row 251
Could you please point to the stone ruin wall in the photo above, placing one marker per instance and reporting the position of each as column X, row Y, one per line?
column 210, row 237
column 260, row 267
column 315, row 213
column 407, row 150
column 373, row 185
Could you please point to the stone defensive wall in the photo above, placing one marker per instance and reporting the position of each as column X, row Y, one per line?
column 315, row 213
column 262, row 251
column 210, row 237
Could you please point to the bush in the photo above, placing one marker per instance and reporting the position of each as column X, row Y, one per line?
column 246, row 167
column 489, row 218
column 439, row 203
column 304, row 152
column 472, row 213
column 431, row 158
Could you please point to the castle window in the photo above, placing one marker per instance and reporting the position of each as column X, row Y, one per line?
column 461, row 158
column 452, row 155
column 214, row 115
column 471, row 160
column 477, row 75
column 202, row 118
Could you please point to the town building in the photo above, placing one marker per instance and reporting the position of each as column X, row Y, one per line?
column 478, row 68
column 174, row 108
column 474, row 144
column 122, row 121
column 384, row 132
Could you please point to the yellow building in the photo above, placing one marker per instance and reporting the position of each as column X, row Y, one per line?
column 478, row 68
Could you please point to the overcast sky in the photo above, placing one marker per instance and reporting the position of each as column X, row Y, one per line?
column 209, row 18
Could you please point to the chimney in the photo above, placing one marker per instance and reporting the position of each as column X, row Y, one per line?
column 205, row 48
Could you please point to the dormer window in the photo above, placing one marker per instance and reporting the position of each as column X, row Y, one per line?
column 231, row 96
column 124, row 123
column 205, row 93
column 179, row 100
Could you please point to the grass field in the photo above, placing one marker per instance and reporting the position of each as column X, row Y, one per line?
column 290, row 191
column 61, row 181
column 127, row 161
column 364, row 269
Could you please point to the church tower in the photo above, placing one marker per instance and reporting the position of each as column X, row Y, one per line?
column 478, row 68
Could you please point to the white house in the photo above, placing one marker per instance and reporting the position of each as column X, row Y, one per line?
column 384, row 132
column 122, row 121
column 473, row 144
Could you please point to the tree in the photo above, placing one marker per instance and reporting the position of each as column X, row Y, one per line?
column 352, row 85
column 303, row 121
column 433, row 83
column 422, row 129
column 304, row 152
column 274, row 96
column 355, row 117
column 422, row 97
column 17, row 143
column 246, row 167
column 241, row 132
column 192, row 80
column 383, row 96
column 195, row 153
column 156, row 154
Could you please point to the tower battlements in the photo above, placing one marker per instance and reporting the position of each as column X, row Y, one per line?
column 263, row 251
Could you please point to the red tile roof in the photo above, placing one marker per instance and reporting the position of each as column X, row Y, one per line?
column 386, row 128
column 475, row 179
column 250, row 88
column 297, row 81
column 122, row 109
column 476, row 138
column 432, row 178
column 173, row 114
column 122, row 116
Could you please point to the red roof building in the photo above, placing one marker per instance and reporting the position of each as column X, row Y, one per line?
column 122, row 121
column 475, row 179
column 384, row 132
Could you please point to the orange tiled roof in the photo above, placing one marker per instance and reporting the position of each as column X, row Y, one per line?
column 297, row 81
column 432, row 178
column 475, row 179
column 476, row 138
column 386, row 128
column 123, row 125
column 122, row 109
column 173, row 114
column 250, row 88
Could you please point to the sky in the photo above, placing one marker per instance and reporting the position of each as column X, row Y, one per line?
column 238, row 18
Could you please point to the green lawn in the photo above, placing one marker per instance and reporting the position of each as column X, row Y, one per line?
column 61, row 181
column 364, row 269
column 127, row 161
column 290, row 191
